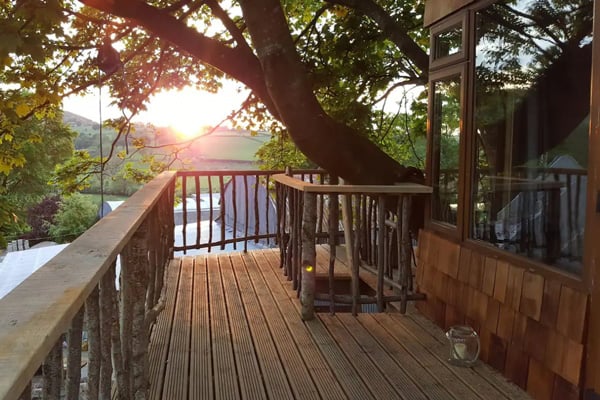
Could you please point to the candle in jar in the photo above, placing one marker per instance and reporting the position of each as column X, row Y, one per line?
column 461, row 350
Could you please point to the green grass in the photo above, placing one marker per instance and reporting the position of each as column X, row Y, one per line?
column 242, row 148
column 95, row 198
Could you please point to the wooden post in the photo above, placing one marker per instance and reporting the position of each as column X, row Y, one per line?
column 123, row 389
column 184, row 216
column 405, row 246
column 106, row 310
column 126, row 319
column 309, row 257
column 138, row 264
column 381, row 229
column 333, row 228
column 74, row 357
column 298, row 243
column 92, row 310
column 359, row 226
column 52, row 369
column 26, row 394
column 349, row 236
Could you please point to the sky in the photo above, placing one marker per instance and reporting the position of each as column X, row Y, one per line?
column 187, row 110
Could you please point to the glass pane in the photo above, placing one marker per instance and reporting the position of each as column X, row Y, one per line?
column 532, row 90
column 448, row 42
column 446, row 140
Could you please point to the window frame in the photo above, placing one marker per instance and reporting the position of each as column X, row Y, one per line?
column 460, row 69
column 446, row 25
column 465, row 61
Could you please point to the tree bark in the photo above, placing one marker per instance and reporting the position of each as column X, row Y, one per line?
column 335, row 147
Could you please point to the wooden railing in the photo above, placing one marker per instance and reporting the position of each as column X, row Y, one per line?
column 82, row 292
column 376, row 236
column 229, row 209
column 44, row 316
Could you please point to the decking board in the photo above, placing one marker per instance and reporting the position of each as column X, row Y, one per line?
column 225, row 373
column 231, row 329
column 176, row 382
column 248, row 370
column 442, row 372
column 273, row 360
column 391, row 368
column 201, row 386
column 425, row 379
column 161, row 333
column 323, row 378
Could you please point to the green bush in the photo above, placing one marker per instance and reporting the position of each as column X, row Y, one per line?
column 75, row 215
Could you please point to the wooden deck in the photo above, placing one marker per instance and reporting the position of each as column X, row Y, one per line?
column 232, row 329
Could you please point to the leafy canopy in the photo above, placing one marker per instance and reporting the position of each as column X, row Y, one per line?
column 357, row 54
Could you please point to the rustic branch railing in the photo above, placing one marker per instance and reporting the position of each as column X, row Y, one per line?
column 236, row 208
column 48, row 308
column 373, row 217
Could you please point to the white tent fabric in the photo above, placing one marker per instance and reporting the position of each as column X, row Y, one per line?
column 18, row 265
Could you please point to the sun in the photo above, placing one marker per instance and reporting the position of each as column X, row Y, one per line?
column 190, row 111
column 187, row 127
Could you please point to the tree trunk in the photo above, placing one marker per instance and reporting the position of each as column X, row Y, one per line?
column 339, row 149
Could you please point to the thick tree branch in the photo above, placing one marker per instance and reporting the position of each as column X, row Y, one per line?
column 233, row 29
column 339, row 149
column 239, row 62
column 391, row 29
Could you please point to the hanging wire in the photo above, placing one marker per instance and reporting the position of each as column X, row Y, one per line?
column 108, row 61
column 101, row 146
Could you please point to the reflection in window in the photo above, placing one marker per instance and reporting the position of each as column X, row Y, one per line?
column 446, row 138
column 448, row 42
column 532, row 90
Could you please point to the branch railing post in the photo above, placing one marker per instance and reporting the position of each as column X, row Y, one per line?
column 381, row 242
column 106, row 319
column 137, row 261
column 309, row 256
column 74, row 356
column 368, row 235
column 92, row 312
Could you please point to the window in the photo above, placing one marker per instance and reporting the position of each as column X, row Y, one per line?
column 448, row 42
column 531, row 117
column 446, row 133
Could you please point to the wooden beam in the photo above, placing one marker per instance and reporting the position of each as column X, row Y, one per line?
column 438, row 9
column 399, row 188
column 591, row 256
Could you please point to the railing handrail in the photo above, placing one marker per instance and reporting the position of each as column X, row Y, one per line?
column 35, row 314
column 247, row 172
column 307, row 187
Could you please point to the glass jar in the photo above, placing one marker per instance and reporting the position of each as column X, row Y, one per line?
column 464, row 345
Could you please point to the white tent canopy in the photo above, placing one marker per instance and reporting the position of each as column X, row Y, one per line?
column 18, row 265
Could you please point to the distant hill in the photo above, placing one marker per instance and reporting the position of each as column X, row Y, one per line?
column 228, row 145
column 237, row 146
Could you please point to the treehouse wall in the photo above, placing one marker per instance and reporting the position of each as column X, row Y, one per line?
column 438, row 9
column 532, row 328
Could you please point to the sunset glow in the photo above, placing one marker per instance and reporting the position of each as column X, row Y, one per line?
column 187, row 111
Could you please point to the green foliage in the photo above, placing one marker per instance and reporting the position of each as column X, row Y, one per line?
column 40, row 144
column 280, row 152
column 49, row 49
column 75, row 215
column 40, row 217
